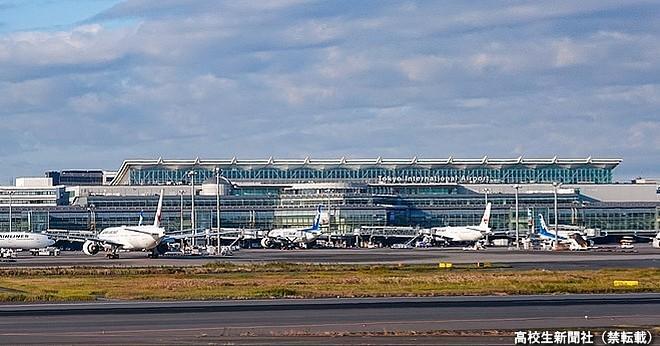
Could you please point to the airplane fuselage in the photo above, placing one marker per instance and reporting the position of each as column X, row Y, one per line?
column 561, row 235
column 458, row 233
column 24, row 240
column 292, row 235
column 132, row 240
column 295, row 236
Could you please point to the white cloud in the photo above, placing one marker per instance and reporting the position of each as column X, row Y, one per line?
column 479, row 102
column 632, row 95
column 568, row 53
column 644, row 134
column 426, row 67
column 90, row 103
column 216, row 78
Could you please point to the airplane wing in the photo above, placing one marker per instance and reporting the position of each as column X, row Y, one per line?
column 438, row 232
column 176, row 237
column 188, row 233
column 140, row 231
column 82, row 239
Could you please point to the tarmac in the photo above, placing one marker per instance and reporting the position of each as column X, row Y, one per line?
column 480, row 320
column 643, row 256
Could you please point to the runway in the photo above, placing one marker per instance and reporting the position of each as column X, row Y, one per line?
column 645, row 257
column 325, row 321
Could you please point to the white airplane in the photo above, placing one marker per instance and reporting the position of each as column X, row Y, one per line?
column 301, row 237
column 462, row 234
column 129, row 238
column 573, row 238
column 10, row 241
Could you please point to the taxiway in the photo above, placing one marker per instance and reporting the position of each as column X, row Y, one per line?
column 317, row 321
column 643, row 257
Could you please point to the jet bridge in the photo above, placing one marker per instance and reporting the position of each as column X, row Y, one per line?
column 383, row 235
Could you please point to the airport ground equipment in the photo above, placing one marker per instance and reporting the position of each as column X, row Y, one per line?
column 47, row 251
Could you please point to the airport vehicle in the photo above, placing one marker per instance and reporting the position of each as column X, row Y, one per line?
column 626, row 243
column 12, row 241
column 461, row 234
column 129, row 238
column 572, row 238
column 47, row 251
column 292, row 237
column 401, row 246
column 7, row 253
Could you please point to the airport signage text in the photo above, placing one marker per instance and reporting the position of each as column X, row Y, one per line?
column 462, row 179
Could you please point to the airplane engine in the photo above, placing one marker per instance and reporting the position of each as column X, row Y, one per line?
column 91, row 248
column 266, row 243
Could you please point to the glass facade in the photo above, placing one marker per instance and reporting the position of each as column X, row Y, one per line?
column 418, row 193
column 76, row 177
column 349, row 209
column 450, row 170
column 546, row 174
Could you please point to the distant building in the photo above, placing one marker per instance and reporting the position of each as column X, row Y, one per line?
column 81, row 177
column 32, row 192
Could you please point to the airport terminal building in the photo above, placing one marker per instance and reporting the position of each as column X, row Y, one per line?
column 369, row 171
column 376, row 192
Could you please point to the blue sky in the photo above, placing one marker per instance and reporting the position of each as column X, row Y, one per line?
column 48, row 15
column 87, row 84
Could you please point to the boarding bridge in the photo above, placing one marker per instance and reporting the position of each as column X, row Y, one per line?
column 383, row 235
column 242, row 233
column 386, row 231
column 65, row 234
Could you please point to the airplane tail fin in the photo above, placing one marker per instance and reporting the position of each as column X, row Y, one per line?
column 159, row 211
column 486, row 218
column 545, row 232
column 317, row 219
column 141, row 218
column 542, row 226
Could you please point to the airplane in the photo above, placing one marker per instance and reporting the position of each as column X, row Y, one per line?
column 130, row 238
column 656, row 241
column 10, row 241
column 291, row 237
column 573, row 238
column 462, row 234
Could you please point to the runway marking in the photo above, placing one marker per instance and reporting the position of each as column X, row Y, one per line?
column 121, row 332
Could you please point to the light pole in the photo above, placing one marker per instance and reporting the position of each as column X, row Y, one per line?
column 329, row 215
column 217, row 205
column 574, row 213
column 181, row 192
column 192, row 174
column 517, row 187
column 486, row 191
column 92, row 218
column 556, row 186
column 11, row 193
column 219, row 176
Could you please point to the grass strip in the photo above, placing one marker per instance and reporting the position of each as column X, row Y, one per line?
column 283, row 280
